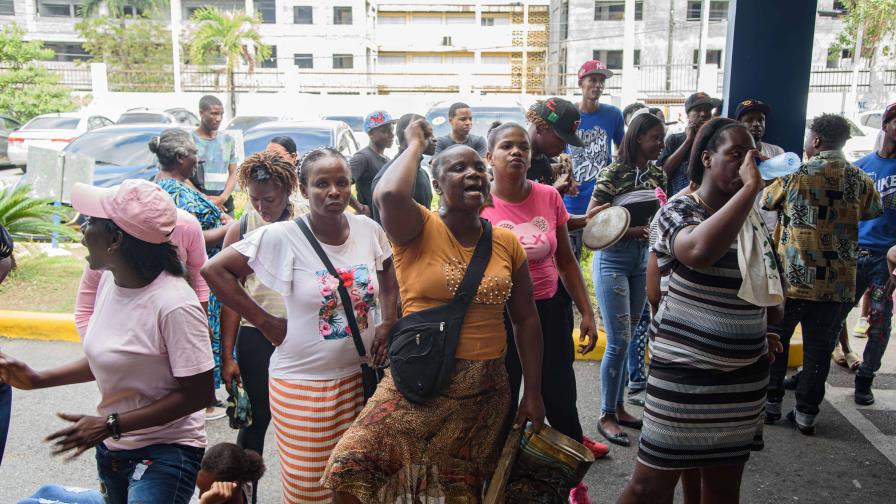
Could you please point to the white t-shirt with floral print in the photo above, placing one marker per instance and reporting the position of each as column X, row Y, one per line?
column 318, row 344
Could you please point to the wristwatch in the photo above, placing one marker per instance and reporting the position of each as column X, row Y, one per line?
column 113, row 427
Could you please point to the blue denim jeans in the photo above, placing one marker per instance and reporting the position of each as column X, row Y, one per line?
column 155, row 474
column 637, row 353
column 872, row 273
column 620, row 282
column 5, row 411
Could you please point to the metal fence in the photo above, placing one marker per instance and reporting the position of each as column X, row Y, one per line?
column 261, row 80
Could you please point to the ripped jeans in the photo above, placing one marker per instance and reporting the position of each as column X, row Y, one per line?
column 872, row 273
column 620, row 282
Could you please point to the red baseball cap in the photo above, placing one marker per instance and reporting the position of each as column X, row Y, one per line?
column 592, row 67
column 139, row 207
column 889, row 113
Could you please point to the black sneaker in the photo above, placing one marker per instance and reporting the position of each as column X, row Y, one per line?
column 806, row 430
column 863, row 395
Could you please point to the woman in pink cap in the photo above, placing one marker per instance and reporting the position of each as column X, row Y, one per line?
column 146, row 347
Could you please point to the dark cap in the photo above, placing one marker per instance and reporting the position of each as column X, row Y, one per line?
column 563, row 117
column 749, row 106
column 696, row 100
column 889, row 113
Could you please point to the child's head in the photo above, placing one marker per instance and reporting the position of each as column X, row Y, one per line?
column 229, row 462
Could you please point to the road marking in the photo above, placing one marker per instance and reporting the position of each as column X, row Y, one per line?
column 841, row 399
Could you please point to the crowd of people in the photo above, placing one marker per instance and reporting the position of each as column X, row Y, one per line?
column 298, row 306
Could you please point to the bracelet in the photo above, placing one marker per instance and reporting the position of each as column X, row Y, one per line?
column 113, row 427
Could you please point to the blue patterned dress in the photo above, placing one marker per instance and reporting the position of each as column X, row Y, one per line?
column 209, row 217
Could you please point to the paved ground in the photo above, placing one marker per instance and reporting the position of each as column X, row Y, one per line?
column 852, row 459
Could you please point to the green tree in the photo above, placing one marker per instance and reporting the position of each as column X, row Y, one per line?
column 24, row 216
column 230, row 35
column 27, row 89
column 137, row 54
column 877, row 18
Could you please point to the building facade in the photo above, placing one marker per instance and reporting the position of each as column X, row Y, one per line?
column 667, row 42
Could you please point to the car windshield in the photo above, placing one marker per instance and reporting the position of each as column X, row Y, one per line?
column 116, row 147
column 483, row 117
column 143, row 117
column 244, row 123
column 52, row 123
column 305, row 138
column 355, row 123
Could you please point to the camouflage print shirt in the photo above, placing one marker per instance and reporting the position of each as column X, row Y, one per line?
column 821, row 205
column 620, row 178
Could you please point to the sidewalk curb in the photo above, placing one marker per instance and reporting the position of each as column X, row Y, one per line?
column 38, row 326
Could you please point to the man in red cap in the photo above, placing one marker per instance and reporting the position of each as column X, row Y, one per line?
column 600, row 124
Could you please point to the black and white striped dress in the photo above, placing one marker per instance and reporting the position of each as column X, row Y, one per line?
column 708, row 370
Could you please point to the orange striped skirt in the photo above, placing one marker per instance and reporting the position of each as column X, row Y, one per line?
column 309, row 418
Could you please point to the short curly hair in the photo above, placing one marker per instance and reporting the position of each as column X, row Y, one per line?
column 268, row 166
column 831, row 129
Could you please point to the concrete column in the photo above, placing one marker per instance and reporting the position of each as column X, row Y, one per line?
column 99, row 81
column 769, row 58
column 629, row 84
column 175, row 43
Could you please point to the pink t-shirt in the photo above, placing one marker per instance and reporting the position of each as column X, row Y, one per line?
column 187, row 235
column 138, row 343
column 534, row 221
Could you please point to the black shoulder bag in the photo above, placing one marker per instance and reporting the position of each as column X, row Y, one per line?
column 422, row 345
column 369, row 377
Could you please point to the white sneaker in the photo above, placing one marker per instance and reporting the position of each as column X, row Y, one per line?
column 214, row 413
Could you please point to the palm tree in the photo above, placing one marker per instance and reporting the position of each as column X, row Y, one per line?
column 232, row 35
column 24, row 216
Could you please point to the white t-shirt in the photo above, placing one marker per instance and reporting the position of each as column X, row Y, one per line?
column 138, row 342
column 318, row 345
column 770, row 217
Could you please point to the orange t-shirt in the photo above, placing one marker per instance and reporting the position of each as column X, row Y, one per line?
column 430, row 268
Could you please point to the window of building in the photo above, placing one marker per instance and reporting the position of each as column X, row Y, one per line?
column 59, row 8
column 613, row 59
column 469, row 18
column 459, row 59
column 840, row 6
column 342, row 16
column 67, row 51
column 391, row 20
column 303, row 60
column 343, row 61
column 391, row 59
column 302, row 14
column 268, row 10
column 426, row 59
column 495, row 59
column 431, row 19
column 271, row 62
column 614, row 10
column 496, row 20
column 713, row 56
column 7, row 8
column 718, row 10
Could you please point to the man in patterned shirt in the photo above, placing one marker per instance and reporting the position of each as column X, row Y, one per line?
column 821, row 206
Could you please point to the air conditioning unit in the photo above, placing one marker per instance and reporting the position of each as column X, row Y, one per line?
column 446, row 41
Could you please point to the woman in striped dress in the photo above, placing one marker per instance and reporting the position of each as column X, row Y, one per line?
column 710, row 350
column 315, row 375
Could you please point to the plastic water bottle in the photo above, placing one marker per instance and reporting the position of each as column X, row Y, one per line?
column 778, row 166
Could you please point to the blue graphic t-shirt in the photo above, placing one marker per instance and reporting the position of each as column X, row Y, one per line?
column 596, row 130
column 880, row 234
column 217, row 154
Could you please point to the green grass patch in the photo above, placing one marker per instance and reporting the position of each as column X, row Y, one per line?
column 42, row 283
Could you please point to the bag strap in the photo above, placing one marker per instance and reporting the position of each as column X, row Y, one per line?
column 244, row 225
column 468, row 287
column 347, row 305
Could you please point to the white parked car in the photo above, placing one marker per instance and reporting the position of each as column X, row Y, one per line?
column 51, row 131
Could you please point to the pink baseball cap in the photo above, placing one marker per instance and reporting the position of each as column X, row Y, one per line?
column 139, row 207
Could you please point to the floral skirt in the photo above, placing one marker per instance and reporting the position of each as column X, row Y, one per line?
column 441, row 451
column 214, row 322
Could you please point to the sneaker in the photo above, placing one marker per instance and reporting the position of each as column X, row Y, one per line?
column 637, row 398
column 804, row 423
column 579, row 495
column 860, row 330
column 214, row 413
column 772, row 412
column 599, row 450
column 863, row 394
